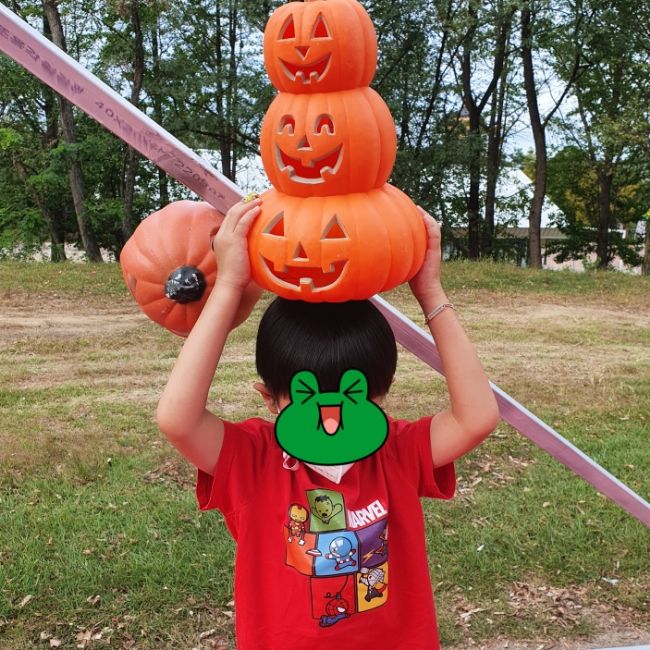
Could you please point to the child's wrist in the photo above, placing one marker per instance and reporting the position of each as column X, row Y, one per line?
column 227, row 285
column 433, row 297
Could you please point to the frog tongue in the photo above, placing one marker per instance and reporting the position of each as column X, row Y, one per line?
column 331, row 418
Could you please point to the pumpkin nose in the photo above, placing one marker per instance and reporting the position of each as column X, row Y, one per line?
column 303, row 51
column 304, row 145
column 300, row 253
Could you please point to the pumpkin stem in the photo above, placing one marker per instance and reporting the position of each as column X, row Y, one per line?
column 185, row 284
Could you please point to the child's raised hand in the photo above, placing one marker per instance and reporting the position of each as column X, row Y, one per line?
column 231, row 245
column 426, row 282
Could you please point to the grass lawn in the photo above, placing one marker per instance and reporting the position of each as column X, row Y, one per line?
column 101, row 543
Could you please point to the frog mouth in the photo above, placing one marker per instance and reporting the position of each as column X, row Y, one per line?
column 331, row 418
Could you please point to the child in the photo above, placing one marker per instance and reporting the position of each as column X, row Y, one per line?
column 327, row 557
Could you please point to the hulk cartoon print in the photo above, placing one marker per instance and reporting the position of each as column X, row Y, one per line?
column 331, row 428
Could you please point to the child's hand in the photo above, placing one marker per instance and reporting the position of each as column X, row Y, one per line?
column 231, row 245
column 425, row 285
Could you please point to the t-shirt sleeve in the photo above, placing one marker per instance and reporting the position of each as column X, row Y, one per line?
column 410, row 442
column 236, row 476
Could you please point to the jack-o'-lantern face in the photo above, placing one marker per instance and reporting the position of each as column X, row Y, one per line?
column 336, row 248
column 310, row 62
column 320, row 46
column 310, row 157
column 328, row 143
column 315, row 264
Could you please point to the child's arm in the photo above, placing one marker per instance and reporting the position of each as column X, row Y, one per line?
column 474, row 413
column 182, row 414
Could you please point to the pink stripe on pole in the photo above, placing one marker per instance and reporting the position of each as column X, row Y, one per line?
column 63, row 74
column 66, row 76
column 422, row 346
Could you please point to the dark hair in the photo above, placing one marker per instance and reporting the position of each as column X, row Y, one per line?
column 328, row 339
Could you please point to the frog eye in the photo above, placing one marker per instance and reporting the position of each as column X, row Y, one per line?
column 354, row 386
column 353, row 390
column 306, row 390
column 304, row 386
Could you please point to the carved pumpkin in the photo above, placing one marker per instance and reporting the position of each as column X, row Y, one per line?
column 320, row 46
column 169, row 267
column 328, row 143
column 336, row 248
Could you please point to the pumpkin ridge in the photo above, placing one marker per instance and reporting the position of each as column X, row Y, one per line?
column 373, row 173
column 387, row 148
column 370, row 43
column 393, row 218
column 387, row 236
column 156, row 260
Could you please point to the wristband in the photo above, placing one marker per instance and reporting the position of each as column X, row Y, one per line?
column 437, row 311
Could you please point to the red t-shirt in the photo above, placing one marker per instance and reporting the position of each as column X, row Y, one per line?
column 327, row 566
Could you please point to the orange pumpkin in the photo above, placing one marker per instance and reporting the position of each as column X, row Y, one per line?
column 336, row 248
column 328, row 143
column 320, row 46
column 169, row 267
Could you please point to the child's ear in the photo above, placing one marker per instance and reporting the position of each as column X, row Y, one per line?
column 267, row 396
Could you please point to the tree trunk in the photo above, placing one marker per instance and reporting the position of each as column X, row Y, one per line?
column 539, row 136
column 129, row 222
column 88, row 238
column 474, row 140
column 163, row 181
column 493, row 164
column 475, row 109
column 605, row 215
column 53, row 224
column 233, row 86
column 473, row 200
column 646, row 253
column 51, row 138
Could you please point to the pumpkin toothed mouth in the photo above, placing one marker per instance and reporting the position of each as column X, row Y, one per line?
column 296, row 276
column 307, row 73
column 312, row 173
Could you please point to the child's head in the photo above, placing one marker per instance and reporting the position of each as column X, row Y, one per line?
column 326, row 338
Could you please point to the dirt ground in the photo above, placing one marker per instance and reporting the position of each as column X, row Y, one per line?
column 629, row 638
column 56, row 318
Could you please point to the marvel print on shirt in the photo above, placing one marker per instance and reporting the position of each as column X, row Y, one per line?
column 343, row 554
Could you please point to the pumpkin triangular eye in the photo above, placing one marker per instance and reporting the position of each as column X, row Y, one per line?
column 334, row 230
column 276, row 227
column 320, row 28
column 288, row 29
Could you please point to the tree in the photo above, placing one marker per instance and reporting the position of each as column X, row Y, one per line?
column 481, row 39
column 574, row 186
column 608, row 99
column 220, row 89
column 50, row 8
column 538, row 31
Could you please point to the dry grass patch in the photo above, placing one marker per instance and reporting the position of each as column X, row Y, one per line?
column 81, row 371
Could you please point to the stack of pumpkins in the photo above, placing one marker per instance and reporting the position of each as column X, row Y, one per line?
column 332, row 229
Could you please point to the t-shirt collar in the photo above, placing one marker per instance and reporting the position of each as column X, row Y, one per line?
column 334, row 473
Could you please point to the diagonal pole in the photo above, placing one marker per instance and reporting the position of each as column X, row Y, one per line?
column 66, row 76
column 422, row 346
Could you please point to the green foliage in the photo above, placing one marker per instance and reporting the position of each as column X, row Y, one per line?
column 204, row 81
column 574, row 187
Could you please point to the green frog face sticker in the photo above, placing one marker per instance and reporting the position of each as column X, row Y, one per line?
column 331, row 428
